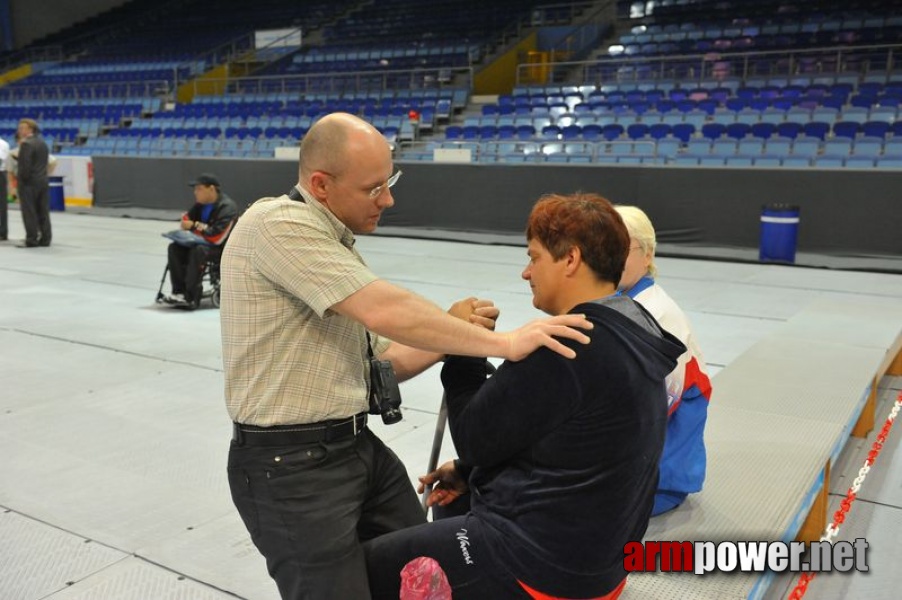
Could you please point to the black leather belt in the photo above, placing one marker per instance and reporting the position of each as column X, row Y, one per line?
column 305, row 433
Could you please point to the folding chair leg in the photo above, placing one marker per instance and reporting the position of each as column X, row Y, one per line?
column 436, row 444
column 440, row 433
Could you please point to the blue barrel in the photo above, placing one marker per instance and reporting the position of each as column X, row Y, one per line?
column 779, row 233
column 57, row 194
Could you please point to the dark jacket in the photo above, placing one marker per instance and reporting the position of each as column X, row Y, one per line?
column 565, row 452
column 221, row 220
column 33, row 157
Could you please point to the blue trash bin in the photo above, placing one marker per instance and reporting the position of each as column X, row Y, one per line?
column 779, row 233
column 57, row 194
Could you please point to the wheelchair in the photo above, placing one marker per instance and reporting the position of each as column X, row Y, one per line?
column 210, row 282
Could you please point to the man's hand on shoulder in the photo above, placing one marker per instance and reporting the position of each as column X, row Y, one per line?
column 543, row 332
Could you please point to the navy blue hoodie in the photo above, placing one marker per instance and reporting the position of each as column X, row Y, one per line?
column 565, row 451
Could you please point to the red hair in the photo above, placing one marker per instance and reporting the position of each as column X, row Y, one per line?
column 586, row 221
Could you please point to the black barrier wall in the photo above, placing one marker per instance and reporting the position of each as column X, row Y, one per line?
column 845, row 212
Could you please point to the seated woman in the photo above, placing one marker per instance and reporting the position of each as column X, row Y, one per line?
column 564, row 452
column 688, row 386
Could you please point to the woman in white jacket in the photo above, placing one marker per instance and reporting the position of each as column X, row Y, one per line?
column 688, row 386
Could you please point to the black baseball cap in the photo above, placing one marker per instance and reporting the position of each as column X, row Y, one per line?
column 205, row 179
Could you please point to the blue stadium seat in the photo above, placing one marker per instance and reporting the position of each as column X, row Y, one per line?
column 860, row 162
column 551, row 132
column 659, row 131
column 683, row 131
column 875, row 128
column 686, row 161
column 838, row 147
column 828, row 161
column 790, row 130
column 886, row 114
column 571, row 132
column 722, row 147
column 763, row 130
column 637, row 131
column 846, row 129
column 893, row 147
column 751, row 147
column 612, row 132
column 856, row 114
column 487, row 132
column 773, row 116
column 868, row 147
column 620, row 148
column 526, row 132
column 738, row 131
column 888, row 161
column 713, row 131
column 796, row 162
column 740, row 161
column 592, row 132
column 767, row 161
column 453, row 132
column 749, row 116
column 805, row 147
column 711, row 161
column 818, row 129
column 668, row 147
column 699, row 146
column 507, row 132
column 825, row 114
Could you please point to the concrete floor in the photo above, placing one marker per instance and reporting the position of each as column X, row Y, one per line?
column 113, row 432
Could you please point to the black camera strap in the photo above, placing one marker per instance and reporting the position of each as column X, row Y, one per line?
column 369, row 345
column 295, row 194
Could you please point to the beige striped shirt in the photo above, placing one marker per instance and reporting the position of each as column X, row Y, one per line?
column 288, row 358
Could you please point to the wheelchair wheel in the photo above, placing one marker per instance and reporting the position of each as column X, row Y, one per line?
column 215, row 297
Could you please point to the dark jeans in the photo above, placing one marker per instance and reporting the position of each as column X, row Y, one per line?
column 186, row 269
column 34, row 201
column 4, row 206
column 455, row 543
column 309, row 507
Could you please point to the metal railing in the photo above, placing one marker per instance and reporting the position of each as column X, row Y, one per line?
column 337, row 82
column 31, row 55
column 533, row 150
column 562, row 13
column 252, row 54
column 858, row 60
column 217, row 56
column 113, row 91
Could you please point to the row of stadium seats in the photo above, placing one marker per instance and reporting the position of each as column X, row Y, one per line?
column 649, row 154
column 683, row 131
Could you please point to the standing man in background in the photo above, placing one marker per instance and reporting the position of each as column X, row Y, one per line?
column 34, row 185
column 4, row 191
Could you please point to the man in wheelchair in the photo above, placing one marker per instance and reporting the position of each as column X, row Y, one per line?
column 203, row 232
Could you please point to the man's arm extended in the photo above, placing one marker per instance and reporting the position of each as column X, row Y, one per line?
column 409, row 362
column 409, row 319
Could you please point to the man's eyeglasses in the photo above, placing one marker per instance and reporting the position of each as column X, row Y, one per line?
column 377, row 191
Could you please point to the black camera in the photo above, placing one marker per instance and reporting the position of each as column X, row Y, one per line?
column 385, row 396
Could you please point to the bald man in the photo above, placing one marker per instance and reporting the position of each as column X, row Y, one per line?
column 301, row 313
